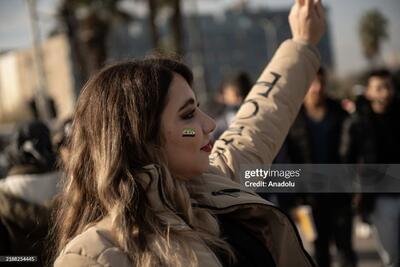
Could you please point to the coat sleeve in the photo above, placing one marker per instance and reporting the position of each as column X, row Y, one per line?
column 264, row 119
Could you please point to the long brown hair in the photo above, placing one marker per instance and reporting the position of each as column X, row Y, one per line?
column 115, row 133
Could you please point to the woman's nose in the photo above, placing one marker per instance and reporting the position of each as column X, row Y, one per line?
column 209, row 124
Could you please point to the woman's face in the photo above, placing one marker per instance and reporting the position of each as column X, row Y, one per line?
column 186, row 131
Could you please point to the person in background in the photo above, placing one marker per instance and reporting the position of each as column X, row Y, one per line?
column 233, row 91
column 315, row 137
column 372, row 137
column 26, row 192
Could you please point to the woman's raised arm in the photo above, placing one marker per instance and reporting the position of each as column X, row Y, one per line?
column 262, row 123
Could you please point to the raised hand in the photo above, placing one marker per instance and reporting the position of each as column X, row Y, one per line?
column 307, row 21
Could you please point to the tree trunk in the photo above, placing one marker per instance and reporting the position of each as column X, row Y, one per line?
column 155, row 36
column 176, row 25
column 93, row 34
column 71, row 23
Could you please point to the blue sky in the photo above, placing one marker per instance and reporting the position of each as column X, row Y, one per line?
column 343, row 20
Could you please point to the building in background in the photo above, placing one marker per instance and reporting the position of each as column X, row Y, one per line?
column 241, row 40
column 18, row 80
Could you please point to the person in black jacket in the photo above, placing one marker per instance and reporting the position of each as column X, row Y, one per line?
column 315, row 137
column 372, row 137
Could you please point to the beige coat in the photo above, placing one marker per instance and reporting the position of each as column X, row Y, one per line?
column 253, row 138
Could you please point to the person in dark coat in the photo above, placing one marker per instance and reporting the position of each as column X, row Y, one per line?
column 315, row 138
column 372, row 137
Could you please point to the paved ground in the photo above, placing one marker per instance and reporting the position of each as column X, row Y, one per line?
column 364, row 246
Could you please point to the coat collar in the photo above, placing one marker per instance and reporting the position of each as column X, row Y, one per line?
column 207, row 190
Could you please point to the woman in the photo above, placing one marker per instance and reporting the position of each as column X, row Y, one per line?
column 141, row 189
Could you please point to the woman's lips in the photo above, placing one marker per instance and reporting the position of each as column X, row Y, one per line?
column 207, row 148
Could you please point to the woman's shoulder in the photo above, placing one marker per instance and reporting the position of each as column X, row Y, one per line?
column 94, row 247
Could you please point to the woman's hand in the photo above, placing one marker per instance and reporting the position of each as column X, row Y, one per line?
column 307, row 21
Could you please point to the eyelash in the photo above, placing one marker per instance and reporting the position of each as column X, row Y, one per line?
column 190, row 115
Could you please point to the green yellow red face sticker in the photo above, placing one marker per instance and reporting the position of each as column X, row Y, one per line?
column 188, row 132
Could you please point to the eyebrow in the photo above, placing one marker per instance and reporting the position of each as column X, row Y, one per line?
column 188, row 102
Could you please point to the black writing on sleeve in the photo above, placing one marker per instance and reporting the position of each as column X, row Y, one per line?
column 236, row 130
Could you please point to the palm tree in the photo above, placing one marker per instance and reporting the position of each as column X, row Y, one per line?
column 372, row 31
column 88, row 23
column 174, row 23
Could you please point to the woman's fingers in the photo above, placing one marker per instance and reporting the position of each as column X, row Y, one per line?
column 307, row 21
column 309, row 4
column 319, row 9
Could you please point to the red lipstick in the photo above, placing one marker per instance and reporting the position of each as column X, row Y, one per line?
column 207, row 148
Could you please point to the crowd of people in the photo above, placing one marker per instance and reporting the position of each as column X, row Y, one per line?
column 129, row 181
column 324, row 132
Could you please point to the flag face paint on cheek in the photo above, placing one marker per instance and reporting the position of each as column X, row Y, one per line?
column 188, row 132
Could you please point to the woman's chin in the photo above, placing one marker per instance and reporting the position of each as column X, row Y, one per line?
column 192, row 170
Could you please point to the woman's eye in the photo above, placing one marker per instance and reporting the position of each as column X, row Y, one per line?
column 189, row 115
